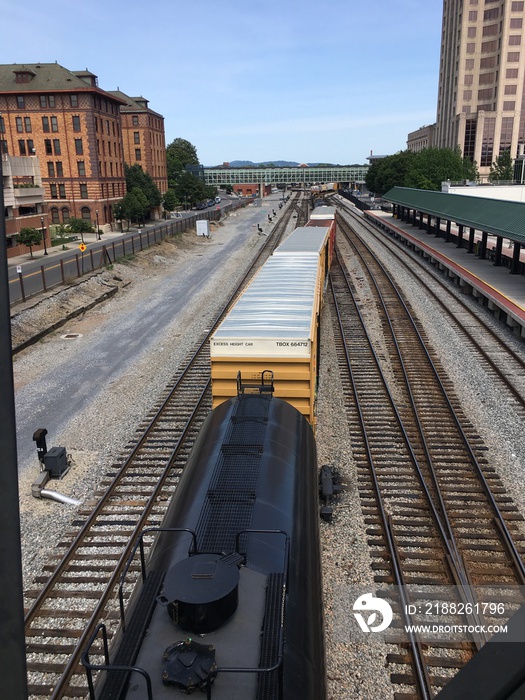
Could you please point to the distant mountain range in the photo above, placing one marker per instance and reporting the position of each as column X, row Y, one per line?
column 277, row 163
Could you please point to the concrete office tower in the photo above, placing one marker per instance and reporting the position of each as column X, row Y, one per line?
column 481, row 79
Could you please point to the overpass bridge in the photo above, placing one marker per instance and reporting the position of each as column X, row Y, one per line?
column 345, row 174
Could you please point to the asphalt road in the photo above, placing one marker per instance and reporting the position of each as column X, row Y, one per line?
column 56, row 399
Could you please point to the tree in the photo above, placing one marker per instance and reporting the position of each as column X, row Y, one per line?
column 169, row 200
column 502, row 170
column 135, row 206
column 179, row 154
column 29, row 237
column 79, row 226
column 137, row 178
column 190, row 189
column 425, row 170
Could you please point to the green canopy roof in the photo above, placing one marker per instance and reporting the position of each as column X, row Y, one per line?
column 496, row 216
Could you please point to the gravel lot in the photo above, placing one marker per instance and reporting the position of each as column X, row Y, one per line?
column 98, row 431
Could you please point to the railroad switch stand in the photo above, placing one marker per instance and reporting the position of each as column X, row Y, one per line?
column 329, row 489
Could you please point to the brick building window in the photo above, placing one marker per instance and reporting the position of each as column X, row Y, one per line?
column 76, row 124
column 60, row 169
column 54, row 193
column 30, row 147
column 48, row 147
column 50, row 168
column 62, row 191
column 73, row 100
column 81, row 168
column 83, row 191
column 56, row 147
column 65, row 215
column 22, row 147
column 79, row 148
column 51, row 100
column 45, row 125
column 20, row 102
column 19, row 125
column 43, row 101
column 136, row 137
column 54, row 215
column 3, row 147
column 27, row 124
column 135, row 120
column 54, row 124
column 86, row 214
column 138, row 155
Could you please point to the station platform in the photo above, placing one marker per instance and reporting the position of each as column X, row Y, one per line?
column 501, row 292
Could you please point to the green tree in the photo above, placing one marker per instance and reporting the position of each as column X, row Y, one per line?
column 135, row 206
column 189, row 189
column 425, row 170
column 502, row 170
column 179, row 154
column 79, row 226
column 137, row 178
column 29, row 237
column 169, row 201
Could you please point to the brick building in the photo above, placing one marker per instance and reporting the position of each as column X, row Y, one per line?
column 143, row 138
column 80, row 135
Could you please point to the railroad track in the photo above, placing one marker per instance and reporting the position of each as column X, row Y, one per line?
column 489, row 340
column 440, row 525
column 78, row 588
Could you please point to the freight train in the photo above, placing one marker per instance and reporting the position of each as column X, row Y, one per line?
column 230, row 599
column 275, row 323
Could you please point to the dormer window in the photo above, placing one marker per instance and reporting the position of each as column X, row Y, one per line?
column 24, row 75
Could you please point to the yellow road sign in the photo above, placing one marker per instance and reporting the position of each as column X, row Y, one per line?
column 82, row 247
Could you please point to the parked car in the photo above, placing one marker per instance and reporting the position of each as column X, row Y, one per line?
column 201, row 205
column 210, row 202
column 217, row 200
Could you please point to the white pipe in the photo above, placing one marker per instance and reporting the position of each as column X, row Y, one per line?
column 55, row 496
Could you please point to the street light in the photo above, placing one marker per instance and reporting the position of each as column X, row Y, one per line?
column 43, row 234
column 98, row 229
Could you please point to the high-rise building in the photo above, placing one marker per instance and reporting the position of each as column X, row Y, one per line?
column 481, row 96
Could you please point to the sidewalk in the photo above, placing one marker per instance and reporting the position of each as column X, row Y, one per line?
column 89, row 238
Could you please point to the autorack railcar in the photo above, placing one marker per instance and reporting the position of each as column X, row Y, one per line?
column 274, row 325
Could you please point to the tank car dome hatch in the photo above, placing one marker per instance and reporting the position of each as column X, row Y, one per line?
column 201, row 592
column 189, row 665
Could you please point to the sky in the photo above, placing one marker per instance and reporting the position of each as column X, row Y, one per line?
column 292, row 80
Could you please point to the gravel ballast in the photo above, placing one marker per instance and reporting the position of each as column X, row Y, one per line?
column 106, row 420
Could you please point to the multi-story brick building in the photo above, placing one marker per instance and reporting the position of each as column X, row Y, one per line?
column 143, row 137
column 81, row 136
column 481, row 95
